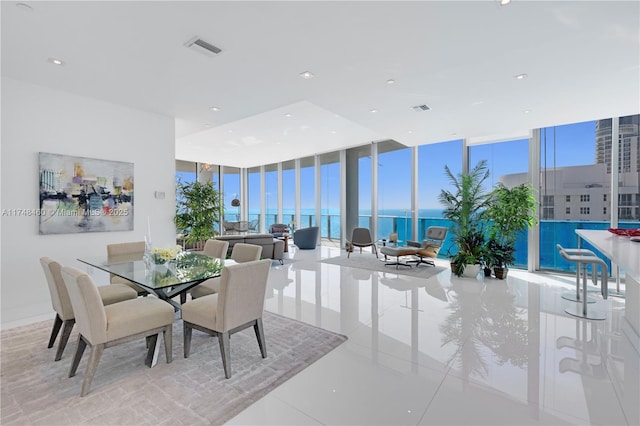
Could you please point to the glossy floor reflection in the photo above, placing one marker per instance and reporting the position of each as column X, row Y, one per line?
column 448, row 350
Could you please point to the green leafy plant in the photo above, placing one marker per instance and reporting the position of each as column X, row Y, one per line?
column 465, row 207
column 198, row 208
column 511, row 211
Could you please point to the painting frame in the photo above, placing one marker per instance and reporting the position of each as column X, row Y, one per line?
column 83, row 194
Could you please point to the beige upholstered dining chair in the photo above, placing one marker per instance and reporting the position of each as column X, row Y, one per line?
column 133, row 251
column 65, row 319
column 216, row 249
column 361, row 237
column 239, row 304
column 240, row 253
column 101, row 326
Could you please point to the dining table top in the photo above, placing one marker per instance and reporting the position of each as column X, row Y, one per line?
column 188, row 269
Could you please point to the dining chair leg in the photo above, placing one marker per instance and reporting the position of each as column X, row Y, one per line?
column 80, row 346
column 152, row 351
column 183, row 298
column 223, row 339
column 57, row 323
column 259, row 329
column 64, row 338
column 92, row 366
column 167, row 335
column 186, row 339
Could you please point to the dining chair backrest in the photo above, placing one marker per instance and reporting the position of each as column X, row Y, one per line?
column 59, row 295
column 91, row 317
column 243, row 252
column 216, row 249
column 134, row 249
column 241, row 295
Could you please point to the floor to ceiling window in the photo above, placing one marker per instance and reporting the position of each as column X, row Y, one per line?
column 231, row 191
column 330, row 195
column 575, row 187
column 394, row 190
column 508, row 163
column 307, row 193
column 253, row 198
column 431, row 180
column 271, row 194
column 289, row 192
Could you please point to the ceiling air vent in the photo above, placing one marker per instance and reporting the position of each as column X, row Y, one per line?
column 203, row 47
column 423, row 107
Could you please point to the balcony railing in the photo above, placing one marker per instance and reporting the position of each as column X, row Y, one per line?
column 552, row 232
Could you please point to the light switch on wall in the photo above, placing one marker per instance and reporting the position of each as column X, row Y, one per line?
column 159, row 195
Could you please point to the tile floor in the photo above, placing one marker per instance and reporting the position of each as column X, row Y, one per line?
column 448, row 351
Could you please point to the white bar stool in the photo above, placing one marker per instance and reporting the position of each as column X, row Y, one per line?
column 582, row 259
column 594, row 273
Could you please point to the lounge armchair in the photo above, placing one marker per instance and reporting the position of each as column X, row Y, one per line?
column 306, row 238
column 430, row 246
column 278, row 229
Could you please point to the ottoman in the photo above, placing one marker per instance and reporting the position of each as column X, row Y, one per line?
column 397, row 252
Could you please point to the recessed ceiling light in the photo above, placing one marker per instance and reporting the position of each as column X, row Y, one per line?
column 24, row 6
column 373, row 111
column 410, row 131
column 216, row 109
column 287, row 115
column 526, row 111
column 504, row 2
column 333, row 132
column 56, row 61
column 391, row 81
column 521, row 76
column 230, row 131
column 306, row 75
column 476, row 103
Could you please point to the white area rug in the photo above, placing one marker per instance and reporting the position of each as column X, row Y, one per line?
column 37, row 390
column 369, row 262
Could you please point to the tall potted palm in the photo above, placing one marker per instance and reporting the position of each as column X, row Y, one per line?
column 511, row 211
column 464, row 206
column 198, row 207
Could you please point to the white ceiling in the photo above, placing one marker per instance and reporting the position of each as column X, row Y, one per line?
column 459, row 57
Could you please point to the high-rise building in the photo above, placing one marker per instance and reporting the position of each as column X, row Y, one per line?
column 582, row 192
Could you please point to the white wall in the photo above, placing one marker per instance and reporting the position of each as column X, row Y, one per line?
column 38, row 119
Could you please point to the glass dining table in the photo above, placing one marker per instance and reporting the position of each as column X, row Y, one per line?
column 168, row 280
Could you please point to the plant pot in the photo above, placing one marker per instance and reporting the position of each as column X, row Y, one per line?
column 487, row 272
column 501, row 273
column 471, row 271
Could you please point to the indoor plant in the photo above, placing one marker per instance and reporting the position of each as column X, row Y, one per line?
column 464, row 206
column 511, row 211
column 197, row 211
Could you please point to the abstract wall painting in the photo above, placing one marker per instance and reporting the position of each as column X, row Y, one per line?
column 80, row 195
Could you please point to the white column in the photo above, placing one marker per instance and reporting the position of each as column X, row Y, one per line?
column 414, row 194
column 533, row 245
